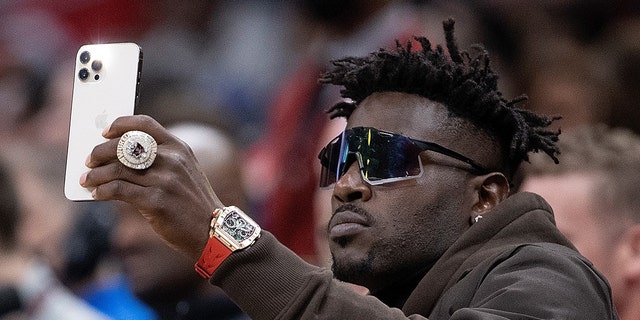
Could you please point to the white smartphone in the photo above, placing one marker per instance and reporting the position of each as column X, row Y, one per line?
column 105, row 87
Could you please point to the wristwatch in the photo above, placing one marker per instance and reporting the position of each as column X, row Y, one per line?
column 231, row 230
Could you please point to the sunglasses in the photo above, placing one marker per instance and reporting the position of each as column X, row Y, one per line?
column 383, row 157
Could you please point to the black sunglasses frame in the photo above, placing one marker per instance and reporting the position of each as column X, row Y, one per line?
column 478, row 169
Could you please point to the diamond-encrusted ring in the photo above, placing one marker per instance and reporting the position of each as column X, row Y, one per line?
column 137, row 150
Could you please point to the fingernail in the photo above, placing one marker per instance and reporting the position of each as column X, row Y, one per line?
column 87, row 161
column 106, row 129
column 83, row 179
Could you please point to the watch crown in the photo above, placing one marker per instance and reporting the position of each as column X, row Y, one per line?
column 212, row 223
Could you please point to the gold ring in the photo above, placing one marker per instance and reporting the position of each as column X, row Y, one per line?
column 137, row 150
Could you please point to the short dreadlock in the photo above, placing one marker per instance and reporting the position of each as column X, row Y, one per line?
column 465, row 84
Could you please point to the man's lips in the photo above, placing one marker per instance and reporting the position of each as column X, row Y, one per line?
column 346, row 223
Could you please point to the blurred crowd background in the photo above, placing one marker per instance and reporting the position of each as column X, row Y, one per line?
column 248, row 68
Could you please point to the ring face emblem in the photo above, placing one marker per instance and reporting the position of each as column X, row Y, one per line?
column 137, row 150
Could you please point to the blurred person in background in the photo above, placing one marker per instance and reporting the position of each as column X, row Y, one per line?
column 230, row 53
column 20, row 92
column 158, row 275
column 91, row 269
column 594, row 195
column 622, row 42
column 573, row 58
column 29, row 285
column 162, row 277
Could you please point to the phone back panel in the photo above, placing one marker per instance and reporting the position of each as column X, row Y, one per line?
column 105, row 87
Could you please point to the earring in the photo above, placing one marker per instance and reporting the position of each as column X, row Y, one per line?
column 476, row 219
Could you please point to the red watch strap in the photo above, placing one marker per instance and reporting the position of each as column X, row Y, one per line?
column 214, row 253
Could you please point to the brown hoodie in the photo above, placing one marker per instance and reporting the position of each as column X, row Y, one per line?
column 513, row 264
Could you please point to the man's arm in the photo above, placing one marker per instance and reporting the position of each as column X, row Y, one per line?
column 266, row 279
column 269, row 281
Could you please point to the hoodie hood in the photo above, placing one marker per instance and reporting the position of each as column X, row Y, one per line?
column 523, row 218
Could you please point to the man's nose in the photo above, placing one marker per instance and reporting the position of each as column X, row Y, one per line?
column 351, row 186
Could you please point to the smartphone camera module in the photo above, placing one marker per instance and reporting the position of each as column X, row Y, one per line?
column 96, row 65
column 85, row 56
column 83, row 74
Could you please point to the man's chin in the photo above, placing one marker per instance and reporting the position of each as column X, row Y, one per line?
column 356, row 272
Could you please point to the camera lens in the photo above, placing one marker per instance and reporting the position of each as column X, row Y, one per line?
column 83, row 74
column 85, row 56
column 96, row 65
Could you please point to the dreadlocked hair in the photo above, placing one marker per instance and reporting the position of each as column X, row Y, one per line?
column 465, row 83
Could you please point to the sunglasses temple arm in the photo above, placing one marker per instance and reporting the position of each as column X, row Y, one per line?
column 448, row 152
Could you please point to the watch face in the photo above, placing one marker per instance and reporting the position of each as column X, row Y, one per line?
column 237, row 227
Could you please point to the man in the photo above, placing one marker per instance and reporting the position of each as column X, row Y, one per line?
column 421, row 210
column 171, row 287
column 594, row 195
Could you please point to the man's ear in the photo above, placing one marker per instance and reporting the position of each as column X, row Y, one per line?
column 491, row 189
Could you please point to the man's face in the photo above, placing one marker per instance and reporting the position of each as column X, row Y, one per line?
column 384, row 234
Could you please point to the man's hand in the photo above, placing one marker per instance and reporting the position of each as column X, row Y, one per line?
column 173, row 194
